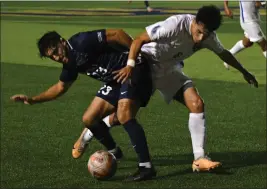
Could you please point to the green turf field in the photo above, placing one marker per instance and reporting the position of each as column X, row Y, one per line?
column 36, row 141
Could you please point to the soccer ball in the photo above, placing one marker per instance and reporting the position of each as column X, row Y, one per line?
column 102, row 165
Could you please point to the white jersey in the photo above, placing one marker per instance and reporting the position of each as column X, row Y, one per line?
column 173, row 42
column 248, row 12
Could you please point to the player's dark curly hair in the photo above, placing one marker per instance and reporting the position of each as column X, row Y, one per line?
column 48, row 40
column 210, row 16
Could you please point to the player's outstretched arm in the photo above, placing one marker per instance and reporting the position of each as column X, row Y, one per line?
column 52, row 93
column 227, row 57
column 227, row 10
column 123, row 74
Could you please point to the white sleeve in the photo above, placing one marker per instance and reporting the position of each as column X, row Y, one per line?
column 164, row 29
column 213, row 43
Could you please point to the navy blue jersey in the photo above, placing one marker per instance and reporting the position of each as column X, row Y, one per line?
column 90, row 54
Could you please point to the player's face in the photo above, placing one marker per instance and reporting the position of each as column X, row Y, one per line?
column 199, row 32
column 58, row 53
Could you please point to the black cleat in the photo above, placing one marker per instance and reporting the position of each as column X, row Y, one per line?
column 118, row 153
column 143, row 173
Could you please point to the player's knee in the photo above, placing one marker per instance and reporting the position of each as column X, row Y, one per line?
column 263, row 44
column 249, row 44
column 113, row 120
column 197, row 105
column 88, row 120
column 246, row 42
column 123, row 113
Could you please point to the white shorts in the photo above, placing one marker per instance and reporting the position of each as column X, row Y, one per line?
column 252, row 31
column 168, row 85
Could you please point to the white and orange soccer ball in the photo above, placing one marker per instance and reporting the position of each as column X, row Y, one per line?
column 102, row 165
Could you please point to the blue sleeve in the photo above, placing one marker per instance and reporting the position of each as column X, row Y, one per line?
column 68, row 74
column 89, row 41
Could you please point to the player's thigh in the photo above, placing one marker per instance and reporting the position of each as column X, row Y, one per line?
column 263, row 44
column 253, row 31
column 190, row 97
column 170, row 84
column 103, row 104
column 135, row 94
column 179, row 96
column 139, row 88
column 127, row 109
column 97, row 110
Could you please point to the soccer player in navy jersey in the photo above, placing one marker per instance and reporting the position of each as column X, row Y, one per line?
column 98, row 54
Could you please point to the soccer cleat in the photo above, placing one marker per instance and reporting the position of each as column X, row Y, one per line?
column 204, row 164
column 143, row 173
column 80, row 145
column 226, row 66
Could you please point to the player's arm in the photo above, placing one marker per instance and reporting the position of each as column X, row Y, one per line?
column 155, row 32
column 136, row 46
column 228, row 57
column 119, row 37
column 213, row 43
column 227, row 10
column 123, row 74
column 52, row 93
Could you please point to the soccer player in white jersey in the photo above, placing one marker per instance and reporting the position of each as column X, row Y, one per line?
column 165, row 43
column 250, row 23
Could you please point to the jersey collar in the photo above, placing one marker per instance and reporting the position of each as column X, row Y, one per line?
column 69, row 45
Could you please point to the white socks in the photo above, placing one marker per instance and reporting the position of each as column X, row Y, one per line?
column 196, row 125
column 237, row 47
column 88, row 135
column 106, row 120
column 264, row 54
column 145, row 164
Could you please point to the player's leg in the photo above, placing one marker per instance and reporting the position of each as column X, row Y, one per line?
column 263, row 44
column 148, row 8
column 250, row 29
column 133, row 96
column 104, row 104
column 239, row 46
column 86, row 136
column 256, row 35
column 189, row 96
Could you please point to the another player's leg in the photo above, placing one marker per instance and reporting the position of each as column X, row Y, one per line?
column 263, row 44
column 86, row 136
column 239, row 46
column 257, row 36
column 148, row 8
column 127, row 110
column 132, row 97
column 189, row 96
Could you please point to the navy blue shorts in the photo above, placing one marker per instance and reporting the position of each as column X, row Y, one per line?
column 139, row 88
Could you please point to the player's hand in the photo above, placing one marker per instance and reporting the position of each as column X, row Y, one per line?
column 229, row 13
column 123, row 74
column 251, row 79
column 21, row 98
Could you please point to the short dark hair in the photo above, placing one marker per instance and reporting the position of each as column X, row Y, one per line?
column 48, row 40
column 210, row 16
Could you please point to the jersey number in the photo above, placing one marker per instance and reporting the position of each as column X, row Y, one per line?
column 105, row 90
